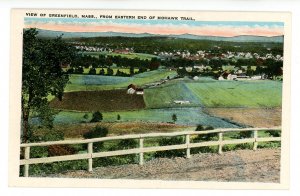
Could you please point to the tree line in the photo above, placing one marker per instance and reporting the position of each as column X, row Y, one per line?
column 85, row 60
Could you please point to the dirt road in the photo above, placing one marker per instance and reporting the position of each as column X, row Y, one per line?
column 262, row 165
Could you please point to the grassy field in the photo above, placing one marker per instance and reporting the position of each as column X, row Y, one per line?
column 97, row 82
column 109, row 100
column 253, row 94
column 141, row 56
column 185, row 116
column 166, row 95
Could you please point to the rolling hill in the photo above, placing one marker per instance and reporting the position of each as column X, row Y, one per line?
column 242, row 38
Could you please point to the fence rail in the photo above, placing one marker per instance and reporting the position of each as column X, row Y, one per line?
column 141, row 149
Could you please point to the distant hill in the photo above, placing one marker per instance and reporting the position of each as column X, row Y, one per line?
column 242, row 38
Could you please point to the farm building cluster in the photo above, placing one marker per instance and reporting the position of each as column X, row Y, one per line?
column 133, row 89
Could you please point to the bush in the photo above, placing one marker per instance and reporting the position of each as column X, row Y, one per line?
column 169, row 142
column 174, row 118
column 56, row 167
column 118, row 117
column 205, row 137
column 92, row 71
column 118, row 160
column 245, row 134
column 274, row 133
column 44, row 151
column 97, row 117
column 127, row 144
column 97, row 132
column 199, row 128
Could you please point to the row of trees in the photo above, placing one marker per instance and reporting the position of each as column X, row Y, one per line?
column 218, row 62
column 85, row 60
column 109, row 71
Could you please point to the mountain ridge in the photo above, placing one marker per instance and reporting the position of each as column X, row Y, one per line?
column 240, row 38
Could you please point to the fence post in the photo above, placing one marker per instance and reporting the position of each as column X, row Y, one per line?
column 188, row 150
column 255, row 136
column 141, row 153
column 26, row 156
column 90, row 152
column 220, row 142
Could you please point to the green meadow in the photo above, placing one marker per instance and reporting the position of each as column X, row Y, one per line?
column 185, row 116
column 255, row 94
column 79, row 82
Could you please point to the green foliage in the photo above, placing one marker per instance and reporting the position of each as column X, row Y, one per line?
column 110, row 72
column 56, row 167
column 174, row 117
column 42, row 75
column 245, row 134
column 97, row 132
column 43, row 151
column 269, row 145
column 204, row 137
column 274, row 133
column 86, row 116
column 118, row 117
column 118, row 160
column 171, row 141
column 92, row 71
column 97, row 117
column 102, row 72
column 199, row 128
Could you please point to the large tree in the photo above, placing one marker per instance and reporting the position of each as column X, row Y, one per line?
column 42, row 75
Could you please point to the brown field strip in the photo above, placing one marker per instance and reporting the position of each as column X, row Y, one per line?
column 108, row 100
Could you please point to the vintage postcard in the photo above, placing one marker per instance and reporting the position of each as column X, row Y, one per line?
column 149, row 99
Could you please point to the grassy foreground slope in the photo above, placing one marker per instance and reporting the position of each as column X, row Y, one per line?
column 255, row 94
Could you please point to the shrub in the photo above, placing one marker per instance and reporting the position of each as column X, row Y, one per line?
column 43, row 151
column 92, row 71
column 127, row 144
column 205, row 137
column 97, row 132
column 245, row 134
column 274, row 133
column 199, row 128
column 168, row 142
column 97, row 117
column 174, row 118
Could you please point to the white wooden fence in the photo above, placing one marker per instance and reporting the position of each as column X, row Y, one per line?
column 141, row 149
